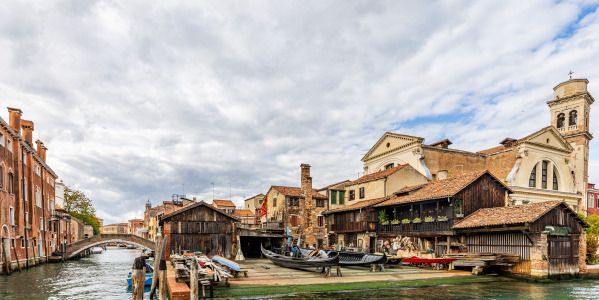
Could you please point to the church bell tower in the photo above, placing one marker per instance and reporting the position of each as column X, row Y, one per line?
column 570, row 111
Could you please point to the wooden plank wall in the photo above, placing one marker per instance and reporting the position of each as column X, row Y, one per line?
column 484, row 192
column 557, row 217
column 508, row 242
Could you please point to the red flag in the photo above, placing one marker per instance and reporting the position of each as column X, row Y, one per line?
column 264, row 208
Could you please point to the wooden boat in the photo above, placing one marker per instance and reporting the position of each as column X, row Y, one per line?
column 347, row 259
column 300, row 263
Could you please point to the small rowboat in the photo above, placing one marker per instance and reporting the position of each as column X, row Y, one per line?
column 347, row 259
column 300, row 263
column 149, row 276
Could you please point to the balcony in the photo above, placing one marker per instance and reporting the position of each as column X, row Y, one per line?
column 272, row 226
column 422, row 228
column 572, row 127
column 353, row 227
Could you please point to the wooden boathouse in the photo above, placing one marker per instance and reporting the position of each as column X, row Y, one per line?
column 199, row 227
column 548, row 236
column 429, row 211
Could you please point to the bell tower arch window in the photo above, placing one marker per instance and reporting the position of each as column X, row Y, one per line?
column 561, row 120
column 573, row 119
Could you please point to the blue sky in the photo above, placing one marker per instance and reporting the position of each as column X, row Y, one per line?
column 136, row 98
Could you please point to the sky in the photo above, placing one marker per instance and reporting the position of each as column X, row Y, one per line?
column 140, row 100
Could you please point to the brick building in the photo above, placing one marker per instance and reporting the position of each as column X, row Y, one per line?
column 26, row 194
column 135, row 226
column 299, row 209
column 118, row 228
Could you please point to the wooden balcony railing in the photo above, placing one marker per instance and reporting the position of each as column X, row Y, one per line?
column 272, row 225
column 353, row 227
column 423, row 227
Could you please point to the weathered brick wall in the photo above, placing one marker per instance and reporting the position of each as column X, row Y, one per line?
column 582, row 253
column 538, row 256
column 454, row 162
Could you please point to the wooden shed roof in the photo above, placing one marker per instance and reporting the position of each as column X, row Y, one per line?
column 357, row 205
column 201, row 203
column 511, row 215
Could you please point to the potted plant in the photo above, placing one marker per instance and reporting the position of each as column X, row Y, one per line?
column 458, row 209
column 396, row 221
column 383, row 218
column 417, row 220
column 442, row 218
column 429, row 219
column 405, row 221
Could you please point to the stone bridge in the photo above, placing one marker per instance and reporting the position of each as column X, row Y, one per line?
column 74, row 248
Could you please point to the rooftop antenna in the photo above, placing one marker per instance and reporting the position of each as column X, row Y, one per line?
column 570, row 74
column 212, row 190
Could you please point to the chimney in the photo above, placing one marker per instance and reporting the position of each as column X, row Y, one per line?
column 41, row 150
column 27, row 131
column 14, row 119
column 306, row 186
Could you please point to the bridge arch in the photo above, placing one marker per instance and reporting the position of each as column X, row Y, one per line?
column 75, row 248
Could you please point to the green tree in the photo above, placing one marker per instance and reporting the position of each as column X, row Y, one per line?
column 80, row 207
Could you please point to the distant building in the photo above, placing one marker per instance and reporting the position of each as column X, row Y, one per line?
column 78, row 231
column 101, row 229
column 118, row 228
column 134, row 225
column 225, row 205
column 593, row 200
column 88, row 231
column 246, row 216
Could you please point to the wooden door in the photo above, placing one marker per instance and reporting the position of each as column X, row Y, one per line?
column 563, row 255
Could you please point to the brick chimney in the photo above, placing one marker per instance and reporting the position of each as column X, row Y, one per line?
column 14, row 119
column 41, row 150
column 27, row 131
column 306, row 191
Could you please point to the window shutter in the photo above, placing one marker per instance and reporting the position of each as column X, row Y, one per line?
column 334, row 197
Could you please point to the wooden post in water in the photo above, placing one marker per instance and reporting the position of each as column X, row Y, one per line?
column 17, row 257
column 157, row 259
column 6, row 252
column 138, row 278
column 193, row 280
column 162, row 295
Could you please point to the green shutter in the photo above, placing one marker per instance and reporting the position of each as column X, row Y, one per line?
column 341, row 197
column 333, row 197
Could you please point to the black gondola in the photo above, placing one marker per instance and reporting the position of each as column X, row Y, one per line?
column 350, row 258
column 300, row 263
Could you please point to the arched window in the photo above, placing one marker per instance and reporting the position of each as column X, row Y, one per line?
column 555, row 186
column 573, row 120
column 532, row 182
column 561, row 120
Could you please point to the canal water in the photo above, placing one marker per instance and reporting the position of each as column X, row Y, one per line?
column 103, row 276
column 98, row 276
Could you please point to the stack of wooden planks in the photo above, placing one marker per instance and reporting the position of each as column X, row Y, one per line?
column 483, row 259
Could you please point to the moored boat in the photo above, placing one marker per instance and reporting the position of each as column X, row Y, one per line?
column 149, row 276
column 349, row 258
column 300, row 263
column 97, row 250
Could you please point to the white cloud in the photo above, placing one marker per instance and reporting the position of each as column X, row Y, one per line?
column 133, row 99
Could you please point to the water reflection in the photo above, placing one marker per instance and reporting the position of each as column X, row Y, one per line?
column 99, row 276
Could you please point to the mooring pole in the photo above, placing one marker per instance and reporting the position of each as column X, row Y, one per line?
column 193, row 283
column 157, row 259
column 138, row 278
column 162, row 295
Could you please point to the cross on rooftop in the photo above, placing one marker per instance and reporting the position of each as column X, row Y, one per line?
column 570, row 74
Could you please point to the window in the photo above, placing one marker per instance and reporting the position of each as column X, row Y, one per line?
column 25, row 191
column 37, row 170
column 10, row 183
column 544, row 175
column 389, row 166
column 561, row 120
column 333, row 197
column 341, row 197
column 361, row 193
column 591, row 200
column 352, row 195
column 294, row 221
column 12, row 215
column 1, row 176
column 9, row 144
column 1, row 139
column 274, row 202
column 532, row 182
column 26, row 218
column 293, row 201
column 319, row 202
column 573, row 120
column 24, row 157
column 320, row 221
column 22, row 243
column 555, row 185
column 41, row 223
column 38, row 197
column 12, row 243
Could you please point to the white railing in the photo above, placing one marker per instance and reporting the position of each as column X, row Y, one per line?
column 561, row 129
column 572, row 127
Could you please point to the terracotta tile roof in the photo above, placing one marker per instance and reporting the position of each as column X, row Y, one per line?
column 296, row 192
column 244, row 213
column 410, row 188
column 438, row 189
column 502, row 147
column 225, row 203
column 377, row 175
column 356, row 205
column 197, row 204
column 334, row 184
column 517, row 214
column 259, row 195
